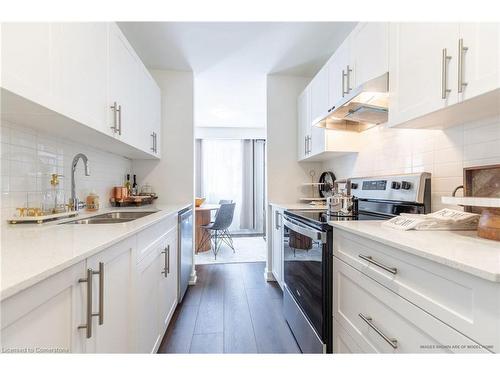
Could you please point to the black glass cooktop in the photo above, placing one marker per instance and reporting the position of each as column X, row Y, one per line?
column 321, row 217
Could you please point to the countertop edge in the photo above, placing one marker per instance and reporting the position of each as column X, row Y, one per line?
column 485, row 275
column 29, row 282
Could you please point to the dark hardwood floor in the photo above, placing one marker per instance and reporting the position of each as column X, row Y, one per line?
column 231, row 309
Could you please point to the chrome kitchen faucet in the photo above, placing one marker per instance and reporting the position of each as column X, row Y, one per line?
column 74, row 202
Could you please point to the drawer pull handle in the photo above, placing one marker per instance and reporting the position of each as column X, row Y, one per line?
column 369, row 321
column 370, row 259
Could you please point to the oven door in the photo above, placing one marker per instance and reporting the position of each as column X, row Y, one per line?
column 305, row 267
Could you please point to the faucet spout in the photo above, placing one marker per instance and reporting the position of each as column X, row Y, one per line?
column 74, row 202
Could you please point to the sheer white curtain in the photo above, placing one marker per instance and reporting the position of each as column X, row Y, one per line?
column 221, row 173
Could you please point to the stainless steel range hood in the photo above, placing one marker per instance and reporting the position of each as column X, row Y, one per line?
column 364, row 107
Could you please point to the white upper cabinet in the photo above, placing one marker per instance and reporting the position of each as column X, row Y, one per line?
column 304, row 123
column 26, row 61
column 337, row 68
column 423, row 68
column 80, row 53
column 319, row 94
column 76, row 72
column 135, row 94
column 480, row 44
column 369, row 52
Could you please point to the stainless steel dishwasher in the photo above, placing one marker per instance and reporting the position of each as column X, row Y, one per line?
column 185, row 249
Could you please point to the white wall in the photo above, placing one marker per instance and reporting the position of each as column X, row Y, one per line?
column 230, row 133
column 173, row 176
column 444, row 153
column 29, row 157
column 285, row 175
column 228, row 97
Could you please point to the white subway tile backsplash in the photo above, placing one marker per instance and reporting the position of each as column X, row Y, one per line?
column 28, row 158
column 444, row 153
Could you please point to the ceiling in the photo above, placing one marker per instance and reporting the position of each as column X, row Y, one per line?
column 296, row 48
column 231, row 60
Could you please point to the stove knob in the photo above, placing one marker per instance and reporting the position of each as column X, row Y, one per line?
column 395, row 185
column 405, row 185
column 354, row 185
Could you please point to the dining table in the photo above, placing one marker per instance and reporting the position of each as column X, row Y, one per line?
column 203, row 215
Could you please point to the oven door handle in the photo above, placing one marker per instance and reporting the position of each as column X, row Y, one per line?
column 308, row 232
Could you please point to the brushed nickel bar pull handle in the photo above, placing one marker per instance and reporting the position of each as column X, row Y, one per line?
column 461, row 52
column 119, row 110
column 305, row 145
column 156, row 143
column 168, row 258
column 115, row 117
column 349, row 71
column 88, row 314
column 444, row 74
column 100, row 314
column 153, row 141
column 344, row 75
column 310, row 144
column 276, row 217
column 369, row 321
column 165, row 264
column 370, row 259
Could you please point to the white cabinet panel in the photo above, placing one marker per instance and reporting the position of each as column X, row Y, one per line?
column 113, row 335
column 46, row 316
column 337, row 66
column 147, row 304
column 277, row 245
column 481, row 61
column 381, row 321
column 80, row 58
column 168, row 282
column 319, row 94
column 369, row 51
column 304, row 123
column 26, row 61
column 124, row 86
column 416, row 69
column 343, row 343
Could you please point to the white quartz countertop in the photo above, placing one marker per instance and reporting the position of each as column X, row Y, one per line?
column 461, row 250
column 296, row 206
column 32, row 252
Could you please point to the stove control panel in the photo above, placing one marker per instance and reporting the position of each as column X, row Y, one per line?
column 402, row 188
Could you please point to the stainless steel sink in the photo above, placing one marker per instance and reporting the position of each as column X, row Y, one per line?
column 112, row 217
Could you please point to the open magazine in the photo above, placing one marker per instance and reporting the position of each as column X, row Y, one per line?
column 445, row 219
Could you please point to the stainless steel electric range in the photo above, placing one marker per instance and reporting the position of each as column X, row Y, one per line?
column 308, row 251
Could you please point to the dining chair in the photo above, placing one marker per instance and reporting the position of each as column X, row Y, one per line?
column 218, row 231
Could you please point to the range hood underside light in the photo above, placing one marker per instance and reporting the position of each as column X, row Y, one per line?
column 366, row 108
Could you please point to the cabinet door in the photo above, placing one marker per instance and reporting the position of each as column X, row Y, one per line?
column 47, row 315
column 150, row 112
column 80, row 58
column 26, row 61
column 303, row 122
column 124, row 86
column 319, row 94
column 369, row 52
column 337, row 65
column 416, row 66
column 481, row 61
column 146, row 301
column 115, row 284
column 168, row 282
column 277, row 238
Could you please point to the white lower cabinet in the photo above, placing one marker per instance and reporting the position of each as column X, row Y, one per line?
column 112, row 298
column 133, row 294
column 156, row 291
column 343, row 343
column 277, row 244
column 381, row 321
column 46, row 316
